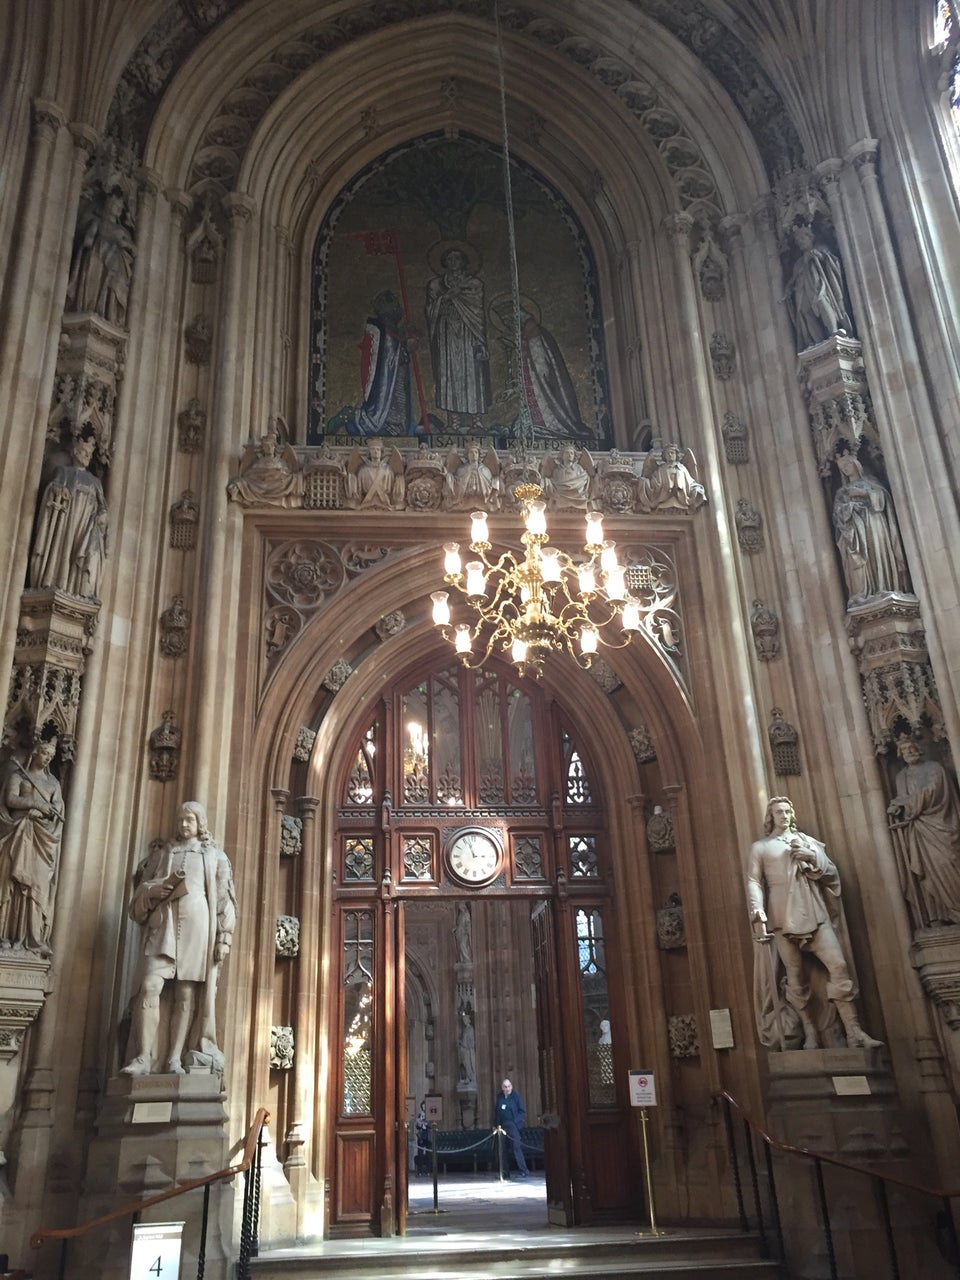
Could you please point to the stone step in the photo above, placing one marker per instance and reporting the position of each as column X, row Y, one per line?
column 677, row 1255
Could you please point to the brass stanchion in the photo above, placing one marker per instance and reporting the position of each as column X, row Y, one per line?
column 654, row 1230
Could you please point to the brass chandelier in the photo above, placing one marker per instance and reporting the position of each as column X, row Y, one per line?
column 543, row 602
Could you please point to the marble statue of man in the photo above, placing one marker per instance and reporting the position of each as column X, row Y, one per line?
column 185, row 903
column 793, row 887
column 925, row 816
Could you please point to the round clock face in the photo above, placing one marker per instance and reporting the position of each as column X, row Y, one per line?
column 473, row 856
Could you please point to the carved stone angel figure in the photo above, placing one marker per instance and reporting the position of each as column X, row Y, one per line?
column 472, row 481
column 374, row 481
column 669, row 482
column 569, row 479
column 269, row 473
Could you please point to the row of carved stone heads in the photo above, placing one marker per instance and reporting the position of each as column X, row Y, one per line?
column 376, row 476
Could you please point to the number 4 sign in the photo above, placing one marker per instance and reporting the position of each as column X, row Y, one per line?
column 155, row 1254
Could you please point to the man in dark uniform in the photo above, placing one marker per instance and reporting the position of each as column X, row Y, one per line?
column 511, row 1115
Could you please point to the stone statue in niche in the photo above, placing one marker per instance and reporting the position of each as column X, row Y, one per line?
column 669, row 482
column 185, row 903
column 867, row 535
column 70, row 541
column 472, row 482
column 467, row 1047
column 807, row 979
column 925, row 821
column 569, row 479
column 463, row 936
column 269, row 472
column 102, row 264
column 815, row 293
column 375, row 481
column 31, row 826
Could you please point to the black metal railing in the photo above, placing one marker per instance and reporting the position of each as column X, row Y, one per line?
column 921, row 1234
column 249, row 1166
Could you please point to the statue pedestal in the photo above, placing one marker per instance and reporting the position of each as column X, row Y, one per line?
column 155, row 1132
column 843, row 1103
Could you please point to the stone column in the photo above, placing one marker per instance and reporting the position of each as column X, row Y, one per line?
column 29, row 341
column 222, row 525
column 301, row 1134
column 918, row 471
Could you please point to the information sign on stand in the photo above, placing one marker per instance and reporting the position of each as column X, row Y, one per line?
column 155, row 1254
column 643, row 1090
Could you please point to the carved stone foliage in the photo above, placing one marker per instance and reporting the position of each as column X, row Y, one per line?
column 288, row 936
column 889, row 642
column 683, row 1036
column 652, row 579
column 337, row 676
column 184, row 522
column 785, row 745
column 391, row 624
column 749, row 523
column 765, row 626
column 660, row 834
column 191, row 427
column 281, row 1048
column 604, row 675
column 834, row 384
column 53, row 642
column 175, row 629
column 291, row 836
column 736, row 439
column 642, row 745
column 671, row 930
column 24, row 984
column 303, row 574
column 304, row 743
column 165, row 743
column 198, row 340
column 722, row 356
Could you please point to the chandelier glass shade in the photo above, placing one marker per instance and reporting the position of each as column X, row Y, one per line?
column 543, row 602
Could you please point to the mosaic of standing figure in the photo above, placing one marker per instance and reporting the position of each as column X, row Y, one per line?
column 411, row 270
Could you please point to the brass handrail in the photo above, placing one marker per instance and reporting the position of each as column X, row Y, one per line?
column 230, row 1171
column 842, row 1164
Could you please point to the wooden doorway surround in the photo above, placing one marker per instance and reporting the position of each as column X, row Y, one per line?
column 474, row 786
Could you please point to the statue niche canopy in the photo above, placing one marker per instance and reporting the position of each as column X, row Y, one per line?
column 413, row 329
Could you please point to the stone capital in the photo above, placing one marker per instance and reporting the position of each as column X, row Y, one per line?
column 676, row 226
column 48, row 119
column 85, row 137
column 238, row 208
column 863, row 155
